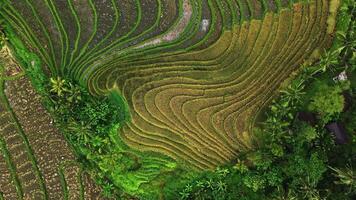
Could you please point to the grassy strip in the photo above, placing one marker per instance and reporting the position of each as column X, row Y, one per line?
column 30, row 62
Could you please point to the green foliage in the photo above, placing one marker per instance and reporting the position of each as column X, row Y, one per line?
column 327, row 101
column 347, row 177
column 85, row 113
column 88, row 123
column 254, row 182
column 3, row 38
column 307, row 133
column 58, row 86
column 241, row 167
column 28, row 60
column 209, row 186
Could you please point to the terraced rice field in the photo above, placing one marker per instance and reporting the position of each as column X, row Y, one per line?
column 195, row 74
column 35, row 160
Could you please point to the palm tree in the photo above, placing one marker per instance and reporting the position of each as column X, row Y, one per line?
column 283, row 194
column 200, row 184
column 81, row 131
column 186, row 192
column 58, row 86
column 293, row 93
column 329, row 60
column 222, row 172
column 346, row 176
column 107, row 189
column 74, row 93
column 348, row 47
column 308, row 189
column 210, row 184
column 221, row 186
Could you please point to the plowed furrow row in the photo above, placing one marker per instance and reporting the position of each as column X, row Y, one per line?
column 7, row 180
column 47, row 143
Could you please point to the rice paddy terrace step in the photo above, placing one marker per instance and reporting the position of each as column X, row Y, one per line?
column 194, row 73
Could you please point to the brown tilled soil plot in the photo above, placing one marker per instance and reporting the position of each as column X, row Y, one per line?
column 34, row 153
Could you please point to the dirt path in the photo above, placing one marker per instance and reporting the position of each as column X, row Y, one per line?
column 177, row 30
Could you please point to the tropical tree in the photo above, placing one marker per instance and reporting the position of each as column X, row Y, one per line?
column 328, row 102
column 283, row 194
column 185, row 194
column 107, row 189
column 292, row 95
column 222, row 171
column 221, row 186
column 346, row 176
column 80, row 131
column 309, row 190
column 210, row 184
column 58, row 86
column 329, row 60
column 74, row 93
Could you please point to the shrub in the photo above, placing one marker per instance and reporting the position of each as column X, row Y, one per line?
column 327, row 101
